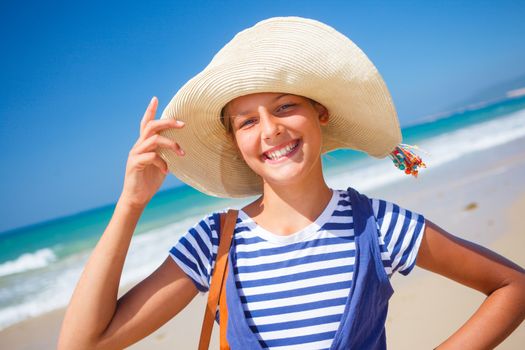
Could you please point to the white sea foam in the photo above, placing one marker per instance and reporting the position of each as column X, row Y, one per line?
column 441, row 150
column 54, row 291
column 28, row 261
column 447, row 147
column 52, row 287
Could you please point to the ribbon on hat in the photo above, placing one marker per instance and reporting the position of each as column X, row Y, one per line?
column 406, row 160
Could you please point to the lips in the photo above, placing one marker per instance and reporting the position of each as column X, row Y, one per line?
column 283, row 151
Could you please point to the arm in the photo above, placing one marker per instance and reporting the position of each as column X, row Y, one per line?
column 479, row 268
column 94, row 319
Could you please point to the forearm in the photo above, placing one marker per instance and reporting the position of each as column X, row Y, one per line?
column 496, row 318
column 95, row 297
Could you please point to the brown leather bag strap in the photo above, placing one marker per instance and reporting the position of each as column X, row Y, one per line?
column 217, row 280
column 223, row 312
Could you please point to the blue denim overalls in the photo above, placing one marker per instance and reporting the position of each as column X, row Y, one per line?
column 363, row 321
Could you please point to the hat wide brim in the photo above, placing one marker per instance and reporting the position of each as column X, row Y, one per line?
column 282, row 55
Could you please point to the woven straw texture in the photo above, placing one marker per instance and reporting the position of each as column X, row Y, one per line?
column 285, row 55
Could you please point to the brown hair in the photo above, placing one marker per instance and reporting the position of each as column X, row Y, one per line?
column 226, row 120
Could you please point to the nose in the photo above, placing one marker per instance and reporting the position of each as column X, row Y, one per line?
column 269, row 123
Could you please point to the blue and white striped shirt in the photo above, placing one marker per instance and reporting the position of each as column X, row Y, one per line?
column 294, row 288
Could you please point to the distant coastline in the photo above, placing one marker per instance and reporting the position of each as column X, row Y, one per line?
column 517, row 94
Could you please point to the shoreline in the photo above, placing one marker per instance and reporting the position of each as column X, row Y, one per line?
column 479, row 198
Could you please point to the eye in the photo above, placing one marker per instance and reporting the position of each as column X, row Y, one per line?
column 244, row 123
column 285, row 107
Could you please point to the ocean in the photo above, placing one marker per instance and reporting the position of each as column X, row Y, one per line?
column 40, row 264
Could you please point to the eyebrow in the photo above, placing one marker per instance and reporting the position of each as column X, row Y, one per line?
column 248, row 111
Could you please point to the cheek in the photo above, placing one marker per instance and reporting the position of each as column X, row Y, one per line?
column 246, row 146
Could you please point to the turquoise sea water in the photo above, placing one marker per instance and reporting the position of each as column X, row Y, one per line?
column 40, row 264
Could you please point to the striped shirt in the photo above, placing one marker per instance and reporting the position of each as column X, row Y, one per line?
column 294, row 288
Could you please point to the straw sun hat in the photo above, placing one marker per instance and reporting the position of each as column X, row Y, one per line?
column 286, row 55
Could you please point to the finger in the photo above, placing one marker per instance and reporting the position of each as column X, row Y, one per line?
column 149, row 114
column 153, row 142
column 154, row 126
column 151, row 158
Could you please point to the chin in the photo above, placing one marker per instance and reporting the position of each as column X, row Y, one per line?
column 284, row 179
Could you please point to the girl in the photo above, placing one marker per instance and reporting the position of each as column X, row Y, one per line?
column 309, row 265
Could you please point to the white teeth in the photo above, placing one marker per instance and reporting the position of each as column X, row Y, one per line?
column 281, row 152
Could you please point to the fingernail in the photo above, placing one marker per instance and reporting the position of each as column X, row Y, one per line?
column 180, row 123
column 152, row 99
column 181, row 151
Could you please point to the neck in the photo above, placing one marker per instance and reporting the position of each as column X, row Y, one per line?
column 285, row 209
column 307, row 200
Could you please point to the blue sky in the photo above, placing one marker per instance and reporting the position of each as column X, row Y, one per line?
column 76, row 77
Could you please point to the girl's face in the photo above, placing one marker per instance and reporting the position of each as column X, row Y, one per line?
column 278, row 135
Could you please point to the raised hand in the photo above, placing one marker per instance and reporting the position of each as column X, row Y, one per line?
column 145, row 169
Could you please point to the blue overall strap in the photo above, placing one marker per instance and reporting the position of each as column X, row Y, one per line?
column 238, row 332
column 363, row 321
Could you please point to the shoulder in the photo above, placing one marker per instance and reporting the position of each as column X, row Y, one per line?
column 400, row 232
column 196, row 249
column 389, row 214
column 210, row 222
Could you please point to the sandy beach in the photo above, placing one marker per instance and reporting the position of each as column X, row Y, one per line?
column 480, row 197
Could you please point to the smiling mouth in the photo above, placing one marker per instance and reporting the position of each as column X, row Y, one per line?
column 282, row 152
